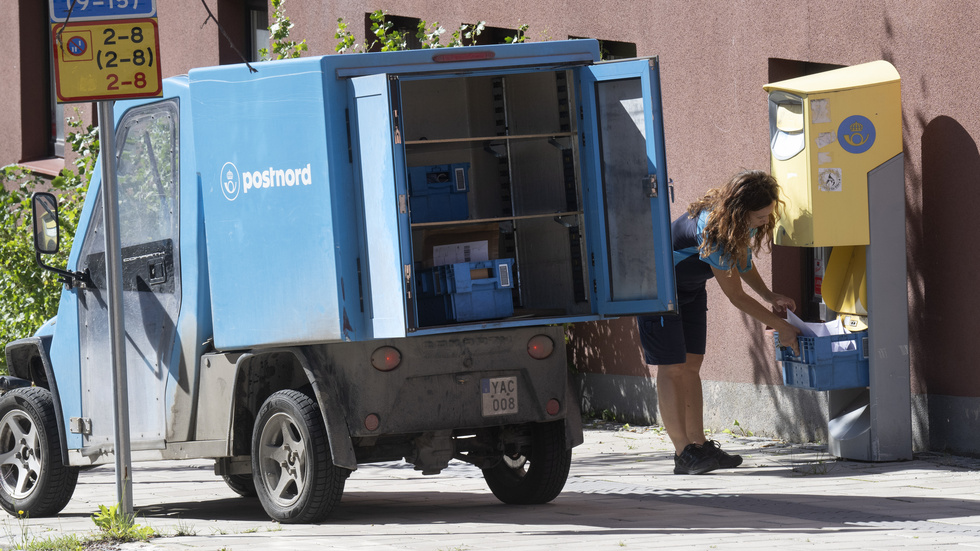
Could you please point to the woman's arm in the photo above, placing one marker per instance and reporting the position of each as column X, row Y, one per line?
column 780, row 302
column 730, row 282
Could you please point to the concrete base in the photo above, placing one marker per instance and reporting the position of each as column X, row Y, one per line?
column 946, row 424
column 625, row 398
column 939, row 423
column 776, row 411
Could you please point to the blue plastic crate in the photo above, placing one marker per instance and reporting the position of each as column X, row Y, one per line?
column 820, row 367
column 449, row 294
column 437, row 193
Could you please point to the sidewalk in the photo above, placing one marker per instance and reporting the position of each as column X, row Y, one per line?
column 621, row 494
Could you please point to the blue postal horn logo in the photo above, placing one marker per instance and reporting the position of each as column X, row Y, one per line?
column 856, row 134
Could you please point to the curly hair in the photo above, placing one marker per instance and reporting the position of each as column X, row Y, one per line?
column 727, row 229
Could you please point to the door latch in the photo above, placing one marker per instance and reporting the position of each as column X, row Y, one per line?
column 158, row 273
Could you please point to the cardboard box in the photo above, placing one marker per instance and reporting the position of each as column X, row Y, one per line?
column 453, row 242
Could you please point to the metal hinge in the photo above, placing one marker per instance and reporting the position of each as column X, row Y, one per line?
column 408, row 280
column 80, row 425
column 650, row 185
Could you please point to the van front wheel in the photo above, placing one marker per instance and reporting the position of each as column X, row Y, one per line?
column 34, row 482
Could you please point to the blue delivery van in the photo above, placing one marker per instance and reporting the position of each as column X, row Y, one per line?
column 341, row 260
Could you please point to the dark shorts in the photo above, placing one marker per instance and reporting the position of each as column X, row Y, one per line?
column 669, row 339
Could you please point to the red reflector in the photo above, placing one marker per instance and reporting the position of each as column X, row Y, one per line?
column 540, row 347
column 553, row 407
column 468, row 56
column 386, row 358
column 372, row 422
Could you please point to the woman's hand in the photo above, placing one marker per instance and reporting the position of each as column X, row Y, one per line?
column 781, row 303
column 787, row 337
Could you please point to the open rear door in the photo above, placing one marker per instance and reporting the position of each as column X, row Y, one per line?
column 627, row 202
column 380, row 172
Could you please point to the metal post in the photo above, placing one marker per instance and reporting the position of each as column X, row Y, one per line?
column 117, row 348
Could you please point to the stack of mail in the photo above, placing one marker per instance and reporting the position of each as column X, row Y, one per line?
column 830, row 328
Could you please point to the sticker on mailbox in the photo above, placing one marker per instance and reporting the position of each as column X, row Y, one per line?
column 830, row 179
column 499, row 395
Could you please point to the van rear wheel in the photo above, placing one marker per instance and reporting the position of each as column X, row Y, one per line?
column 295, row 479
column 533, row 472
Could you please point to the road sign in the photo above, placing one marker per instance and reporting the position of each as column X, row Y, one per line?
column 107, row 60
column 100, row 10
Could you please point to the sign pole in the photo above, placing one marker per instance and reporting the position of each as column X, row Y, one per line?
column 114, row 284
column 106, row 52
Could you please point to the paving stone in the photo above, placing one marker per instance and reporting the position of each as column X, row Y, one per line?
column 621, row 494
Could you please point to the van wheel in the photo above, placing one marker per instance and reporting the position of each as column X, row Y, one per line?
column 241, row 484
column 33, row 479
column 534, row 472
column 294, row 476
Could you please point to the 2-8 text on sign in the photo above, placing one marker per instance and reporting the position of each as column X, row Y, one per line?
column 98, row 61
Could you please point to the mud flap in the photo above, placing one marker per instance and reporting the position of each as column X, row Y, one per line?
column 573, row 417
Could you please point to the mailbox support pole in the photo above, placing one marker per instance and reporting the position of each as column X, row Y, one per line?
column 875, row 423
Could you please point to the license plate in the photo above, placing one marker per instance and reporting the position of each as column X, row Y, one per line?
column 499, row 395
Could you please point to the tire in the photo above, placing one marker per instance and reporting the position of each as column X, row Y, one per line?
column 34, row 481
column 241, row 484
column 295, row 479
column 537, row 472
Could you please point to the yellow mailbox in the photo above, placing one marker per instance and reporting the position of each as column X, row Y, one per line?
column 828, row 130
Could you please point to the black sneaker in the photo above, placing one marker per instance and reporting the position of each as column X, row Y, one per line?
column 694, row 460
column 725, row 460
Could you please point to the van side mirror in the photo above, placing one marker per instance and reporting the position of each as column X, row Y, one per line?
column 46, row 232
column 47, row 237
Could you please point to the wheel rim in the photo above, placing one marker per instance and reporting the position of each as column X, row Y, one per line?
column 518, row 464
column 20, row 454
column 283, row 459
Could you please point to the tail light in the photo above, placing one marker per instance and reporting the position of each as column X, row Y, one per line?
column 553, row 407
column 386, row 358
column 540, row 347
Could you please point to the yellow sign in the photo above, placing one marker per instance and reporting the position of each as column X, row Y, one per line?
column 105, row 61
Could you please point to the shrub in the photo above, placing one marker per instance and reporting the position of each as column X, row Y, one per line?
column 29, row 294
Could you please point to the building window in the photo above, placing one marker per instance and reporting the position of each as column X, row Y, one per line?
column 258, row 21
column 612, row 49
column 244, row 30
column 39, row 112
column 496, row 35
column 407, row 26
column 784, row 69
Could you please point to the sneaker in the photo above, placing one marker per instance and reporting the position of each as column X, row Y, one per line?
column 725, row 460
column 694, row 460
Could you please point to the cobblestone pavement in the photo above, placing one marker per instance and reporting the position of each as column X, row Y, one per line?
column 621, row 494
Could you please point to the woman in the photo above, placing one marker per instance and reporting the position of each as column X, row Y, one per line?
column 715, row 238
